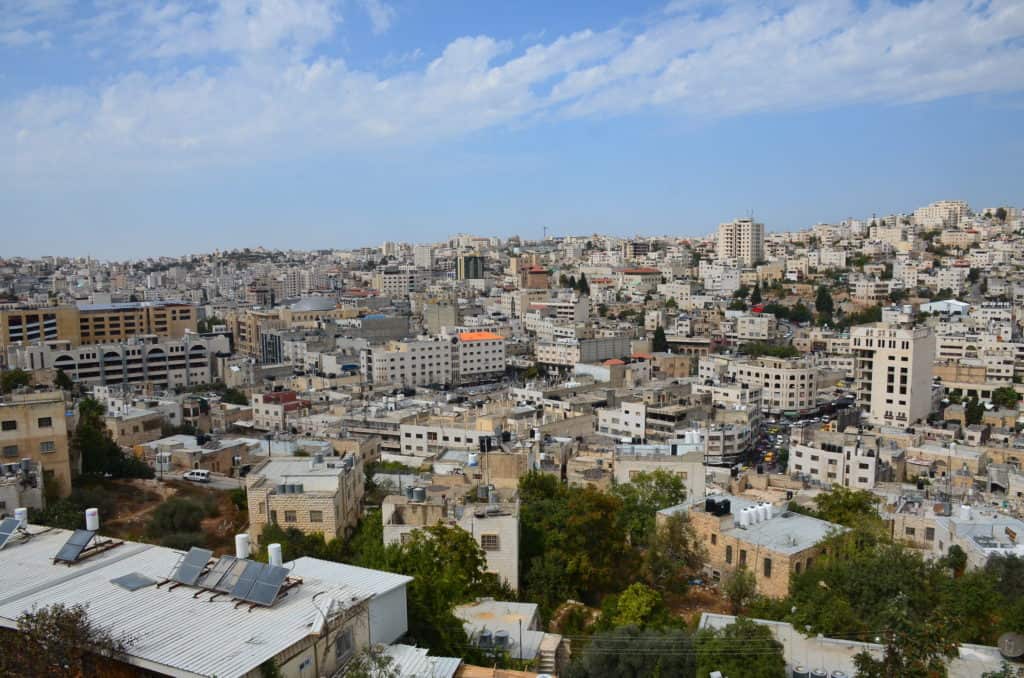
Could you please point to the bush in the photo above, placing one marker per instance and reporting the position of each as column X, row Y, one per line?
column 240, row 498
column 183, row 541
column 176, row 515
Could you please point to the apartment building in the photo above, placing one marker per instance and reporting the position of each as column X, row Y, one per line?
column 494, row 525
column 682, row 457
column 831, row 458
column 771, row 543
column 316, row 495
column 893, row 372
column 466, row 357
column 276, row 411
column 869, row 291
column 33, row 425
column 469, row 267
column 138, row 360
column 941, row 214
column 401, row 281
column 480, row 356
column 787, row 384
column 94, row 323
column 568, row 352
column 742, row 240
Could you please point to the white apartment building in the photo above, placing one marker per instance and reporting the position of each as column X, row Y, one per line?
column 834, row 458
column 480, row 356
column 629, row 420
column 466, row 357
column 893, row 372
column 869, row 291
column 719, row 278
column 423, row 256
column 787, row 384
column 401, row 281
column 742, row 240
column 942, row 213
column 568, row 352
column 139, row 360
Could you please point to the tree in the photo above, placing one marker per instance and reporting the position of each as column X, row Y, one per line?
column 630, row 651
column 973, row 411
column 583, row 287
column 717, row 651
column 371, row 663
column 639, row 605
column 63, row 381
column 1001, row 214
column 737, row 305
column 234, row 396
column 914, row 651
column 674, row 552
column 98, row 452
column 800, row 313
column 848, row 507
column 14, row 379
column 1005, row 396
column 642, row 497
column 755, row 296
column 755, row 349
column 742, row 292
column 660, row 342
column 671, row 303
column 58, row 641
column 740, row 588
column 823, row 303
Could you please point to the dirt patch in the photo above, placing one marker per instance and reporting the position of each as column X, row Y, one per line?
column 697, row 600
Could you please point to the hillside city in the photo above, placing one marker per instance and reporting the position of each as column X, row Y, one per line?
column 755, row 453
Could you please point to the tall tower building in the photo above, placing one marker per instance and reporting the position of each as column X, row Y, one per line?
column 470, row 267
column 893, row 372
column 423, row 256
column 742, row 239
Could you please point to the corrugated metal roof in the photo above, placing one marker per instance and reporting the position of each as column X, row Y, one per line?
column 414, row 662
column 172, row 628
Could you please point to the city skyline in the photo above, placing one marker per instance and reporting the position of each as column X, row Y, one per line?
column 149, row 129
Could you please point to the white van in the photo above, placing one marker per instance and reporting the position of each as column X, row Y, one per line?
column 197, row 476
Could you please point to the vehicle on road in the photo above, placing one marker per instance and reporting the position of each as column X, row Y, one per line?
column 197, row 476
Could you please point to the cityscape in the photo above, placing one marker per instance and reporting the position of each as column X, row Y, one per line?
column 351, row 340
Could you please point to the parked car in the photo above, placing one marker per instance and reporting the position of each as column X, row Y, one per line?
column 197, row 476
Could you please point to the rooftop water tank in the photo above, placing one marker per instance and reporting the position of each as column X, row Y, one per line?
column 473, row 459
column 965, row 512
column 92, row 519
column 419, row 494
column 800, row 672
column 486, row 638
column 482, row 492
column 819, row 673
column 501, row 638
column 408, row 491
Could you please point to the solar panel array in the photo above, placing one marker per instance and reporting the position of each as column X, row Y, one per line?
column 268, row 584
column 192, row 566
column 133, row 581
column 74, row 546
column 247, row 579
column 7, row 530
column 220, row 570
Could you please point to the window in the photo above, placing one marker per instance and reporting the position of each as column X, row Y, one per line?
column 714, row 539
column 489, row 542
column 910, row 531
column 767, row 567
column 743, row 557
column 47, row 446
column 316, row 516
column 9, row 425
column 10, row 450
column 929, row 533
column 45, row 422
column 728, row 554
column 273, row 517
column 344, row 646
column 797, row 568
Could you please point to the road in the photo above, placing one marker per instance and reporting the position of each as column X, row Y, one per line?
column 217, row 480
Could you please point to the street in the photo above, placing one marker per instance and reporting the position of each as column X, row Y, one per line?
column 217, row 481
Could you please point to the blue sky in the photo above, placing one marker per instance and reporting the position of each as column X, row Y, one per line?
column 147, row 127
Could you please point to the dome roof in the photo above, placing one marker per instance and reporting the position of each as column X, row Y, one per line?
column 313, row 304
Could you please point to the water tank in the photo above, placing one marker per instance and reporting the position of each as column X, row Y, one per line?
column 800, row 672
column 839, row 674
column 743, row 518
column 241, row 546
column 274, row 556
column 349, row 463
column 965, row 512
column 492, row 495
column 486, row 638
column 819, row 673
column 318, row 459
column 1011, row 646
column 408, row 491
column 482, row 492
column 724, row 507
column 473, row 459
column 501, row 638
column 92, row 519
column 419, row 494
column 21, row 515
column 710, row 505
column 753, row 517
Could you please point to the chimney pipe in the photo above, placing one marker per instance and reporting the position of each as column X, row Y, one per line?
column 241, row 546
column 274, row 554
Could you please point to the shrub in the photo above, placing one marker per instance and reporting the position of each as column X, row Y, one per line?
column 176, row 515
column 182, row 541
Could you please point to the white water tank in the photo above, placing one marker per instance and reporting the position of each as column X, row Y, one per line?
column 751, row 515
column 965, row 512
column 766, row 511
column 92, row 519
column 742, row 517
column 21, row 515
column 274, row 554
column 241, row 546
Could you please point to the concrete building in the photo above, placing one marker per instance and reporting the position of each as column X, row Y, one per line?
column 184, row 452
column 771, row 543
column 742, row 240
column 470, row 267
column 33, row 425
column 787, row 384
column 826, row 458
column 493, row 525
column 893, row 372
column 467, row 357
column 568, row 352
column 941, row 214
column 401, row 281
column 313, row 494
column 275, row 411
column 682, row 457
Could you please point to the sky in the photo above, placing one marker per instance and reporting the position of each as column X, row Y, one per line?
column 133, row 128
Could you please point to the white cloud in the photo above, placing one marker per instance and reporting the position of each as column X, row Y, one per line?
column 279, row 96
column 381, row 14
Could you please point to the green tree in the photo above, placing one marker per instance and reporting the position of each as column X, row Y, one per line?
column 372, row 663
column 848, row 507
column 823, row 303
column 717, row 651
column 630, row 651
column 918, row 650
column 63, row 381
column 639, row 605
column 737, row 305
column 59, row 641
column 755, row 349
column 755, row 296
column 99, row 454
column 674, row 552
column 1001, row 214
column 14, row 379
column 1005, row 396
column 800, row 313
column 234, row 396
column 642, row 497
column 973, row 411
column 660, row 342
column 740, row 588
column 583, row 287
column 671, row 303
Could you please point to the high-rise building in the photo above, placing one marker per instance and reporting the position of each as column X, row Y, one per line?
column 423, row 256
column 893, row 372
column 470, row 267
column 742, row 239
